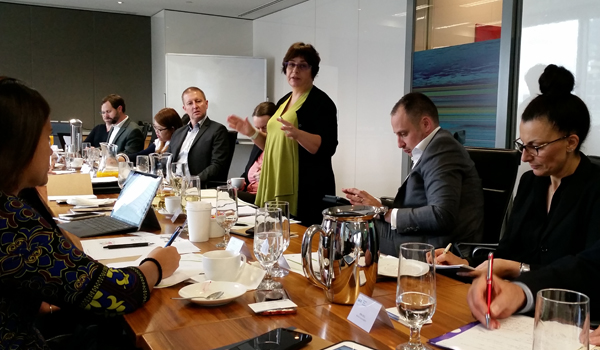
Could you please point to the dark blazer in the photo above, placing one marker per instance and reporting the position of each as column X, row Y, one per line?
column 129, row 139
column 318, row 115
column 97, row 135
column 571, row 226
column 441, row 201
column 208, row 154
column 579, row 272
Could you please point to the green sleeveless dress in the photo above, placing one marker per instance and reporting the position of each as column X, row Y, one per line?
column 279, row 175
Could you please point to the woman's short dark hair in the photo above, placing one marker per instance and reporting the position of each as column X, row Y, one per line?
column 306, row 51
column 169, row 118
column 115, row 101
column 567, row 112
column 23, row 115
column 265, row 108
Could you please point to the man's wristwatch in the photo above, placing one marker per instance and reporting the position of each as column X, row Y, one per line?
column 524, row 268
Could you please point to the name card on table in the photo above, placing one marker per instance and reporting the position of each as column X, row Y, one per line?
column 176, row 215
column 239, row 246
column 365, row 311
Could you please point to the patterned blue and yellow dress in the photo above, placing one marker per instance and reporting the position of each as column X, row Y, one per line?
column 38, row 264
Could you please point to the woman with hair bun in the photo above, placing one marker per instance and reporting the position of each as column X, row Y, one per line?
column 557, row 205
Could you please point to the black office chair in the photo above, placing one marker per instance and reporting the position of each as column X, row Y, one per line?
column 232, row 138
column 497, row 169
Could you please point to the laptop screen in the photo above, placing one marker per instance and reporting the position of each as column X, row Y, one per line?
column 136, row 198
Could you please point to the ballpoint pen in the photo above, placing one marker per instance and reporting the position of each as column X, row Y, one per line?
column 447, row 248
column 128, row 245
column 490, row 275
column 176, row 233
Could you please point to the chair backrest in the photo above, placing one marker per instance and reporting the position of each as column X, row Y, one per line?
column 497, row 169
column 232, row 138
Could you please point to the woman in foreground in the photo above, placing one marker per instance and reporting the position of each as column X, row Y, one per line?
column 40, row 270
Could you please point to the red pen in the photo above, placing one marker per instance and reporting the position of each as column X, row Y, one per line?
column 490, row 275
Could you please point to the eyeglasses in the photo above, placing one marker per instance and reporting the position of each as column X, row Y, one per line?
column 301, row 66
column 157, row 129
column 534, row 150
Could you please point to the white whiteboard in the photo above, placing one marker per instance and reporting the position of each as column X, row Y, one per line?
column 233, row 85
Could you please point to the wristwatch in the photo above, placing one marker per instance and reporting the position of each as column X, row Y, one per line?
column 524, row 268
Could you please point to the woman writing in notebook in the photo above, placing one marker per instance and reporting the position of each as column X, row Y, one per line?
column 302, row 139
column 555, row 210
column 40, row 270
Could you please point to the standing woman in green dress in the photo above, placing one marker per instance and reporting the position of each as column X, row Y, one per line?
column 302, row 139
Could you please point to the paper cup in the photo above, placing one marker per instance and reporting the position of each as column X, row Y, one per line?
column 198, row 216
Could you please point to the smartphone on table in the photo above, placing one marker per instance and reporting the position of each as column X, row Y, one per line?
column 79, row 216
column 277, row 339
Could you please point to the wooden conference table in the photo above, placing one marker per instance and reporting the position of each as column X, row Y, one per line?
column 178, row 324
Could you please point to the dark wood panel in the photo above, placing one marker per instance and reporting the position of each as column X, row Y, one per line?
column 15, row 37
column 62, row 61
column 122, row 62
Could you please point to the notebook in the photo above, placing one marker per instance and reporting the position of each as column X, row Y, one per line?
column 131, row 211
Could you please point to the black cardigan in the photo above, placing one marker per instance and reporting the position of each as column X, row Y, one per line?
column 317, row 115
column 571, row 226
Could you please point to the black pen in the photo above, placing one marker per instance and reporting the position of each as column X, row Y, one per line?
column 128, row 245
column 240, row 224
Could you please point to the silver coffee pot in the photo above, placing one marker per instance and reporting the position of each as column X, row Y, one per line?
column 348, row 253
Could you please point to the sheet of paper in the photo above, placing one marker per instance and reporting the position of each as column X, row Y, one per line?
column 515, row 333
column 452, row 267
column 190, row 265
column 95, row 247
column 66, row 198
column 295, row 262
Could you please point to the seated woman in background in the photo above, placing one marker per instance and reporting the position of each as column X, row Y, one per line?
column 166, row 121
column 260, row 117
column 557, row 205
column 38, row 265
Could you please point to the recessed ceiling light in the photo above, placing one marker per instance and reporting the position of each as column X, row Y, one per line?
column 120, row 2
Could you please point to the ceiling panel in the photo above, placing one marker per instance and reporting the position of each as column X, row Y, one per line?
column 230, row 8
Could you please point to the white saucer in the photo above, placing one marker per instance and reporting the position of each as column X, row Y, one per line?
column 388, row 266
column 231, row 291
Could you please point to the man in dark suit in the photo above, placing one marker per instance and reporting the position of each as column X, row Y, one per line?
column 441, row 201
column 202, row 143
column 124, row 132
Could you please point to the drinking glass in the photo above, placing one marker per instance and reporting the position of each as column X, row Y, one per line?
column 85, row 146
column 562, row 320
column 70, row 154
column 142, row 163
column 93, row 158
column 124, row 170
column 227, row 211
column 190, row 191
column 415, row 293
column 285, row 219
column 268, row 242
column 177, row 178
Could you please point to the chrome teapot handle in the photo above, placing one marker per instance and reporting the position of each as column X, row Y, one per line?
column 307, row 263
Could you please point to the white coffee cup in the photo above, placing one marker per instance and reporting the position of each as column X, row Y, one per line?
column 77, row 162
column 237, row 182
column 198, row 217
column 172, row 203
column 223, row 265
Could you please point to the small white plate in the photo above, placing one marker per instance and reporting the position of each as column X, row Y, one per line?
column 388, row 266
column 231, row 291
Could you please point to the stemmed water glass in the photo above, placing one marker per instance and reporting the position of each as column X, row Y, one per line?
column 70, row 154
column 285, row 220
column 124, row 169
column 268, row 242
column 415, row 293
column 227, row 211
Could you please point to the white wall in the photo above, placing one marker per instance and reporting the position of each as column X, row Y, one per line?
column 190, row 33
column 362, row 49
column 568, row 36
